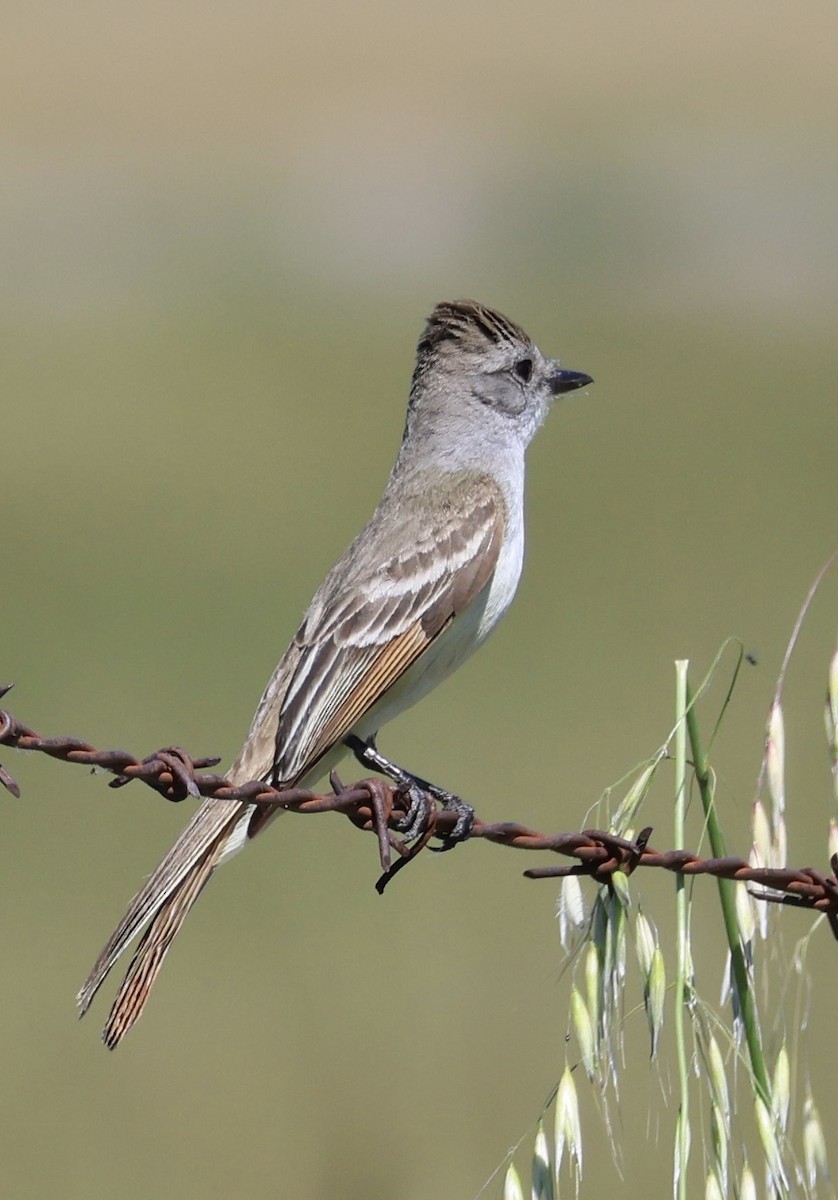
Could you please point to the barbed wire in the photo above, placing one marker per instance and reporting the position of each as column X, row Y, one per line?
column 381, row 807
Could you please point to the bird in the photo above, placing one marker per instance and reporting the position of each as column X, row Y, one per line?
column 415, row 593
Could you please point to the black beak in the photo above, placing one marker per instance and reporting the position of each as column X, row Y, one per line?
column 568, row 381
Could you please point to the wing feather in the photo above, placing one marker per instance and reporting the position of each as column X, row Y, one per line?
column 364, row 641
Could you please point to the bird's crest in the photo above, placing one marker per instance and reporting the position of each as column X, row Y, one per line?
column 471, row 325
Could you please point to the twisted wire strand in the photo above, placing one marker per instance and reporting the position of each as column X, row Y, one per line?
column 380, row 806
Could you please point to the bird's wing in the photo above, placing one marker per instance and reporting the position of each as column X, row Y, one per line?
column 357, row 644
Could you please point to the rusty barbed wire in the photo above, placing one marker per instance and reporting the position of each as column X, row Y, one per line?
column 379, row 806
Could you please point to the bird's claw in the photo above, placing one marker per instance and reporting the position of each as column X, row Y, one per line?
column 462, row 826
column 420, row 812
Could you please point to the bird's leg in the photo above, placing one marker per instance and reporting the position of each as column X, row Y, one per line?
column 416, row 819
column 416, row 788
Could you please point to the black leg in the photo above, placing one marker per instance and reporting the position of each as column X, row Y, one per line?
column 416, row 788
column 415, row 820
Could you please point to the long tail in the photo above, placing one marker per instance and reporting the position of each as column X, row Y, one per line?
column 164, row 901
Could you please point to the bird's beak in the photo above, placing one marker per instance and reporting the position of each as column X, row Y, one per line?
column 568, row 381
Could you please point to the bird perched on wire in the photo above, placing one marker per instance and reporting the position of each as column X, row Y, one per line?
column 418, row 590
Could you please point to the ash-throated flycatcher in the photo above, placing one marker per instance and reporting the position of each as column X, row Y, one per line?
column 417, row 591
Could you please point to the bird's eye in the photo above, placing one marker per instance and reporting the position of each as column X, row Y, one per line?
column 523, row 369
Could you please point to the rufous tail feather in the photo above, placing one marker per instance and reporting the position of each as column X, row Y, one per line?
column 152, row 950
column 164, row 900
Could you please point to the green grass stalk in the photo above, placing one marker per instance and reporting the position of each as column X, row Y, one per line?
column 744, row 991
column 682, row 928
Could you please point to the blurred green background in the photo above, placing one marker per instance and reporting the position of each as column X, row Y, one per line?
column 221, row 228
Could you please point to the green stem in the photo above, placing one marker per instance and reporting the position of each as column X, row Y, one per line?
column 682, row 926
column 744, row 992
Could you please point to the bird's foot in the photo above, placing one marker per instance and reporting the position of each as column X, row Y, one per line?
column 420, row 813
column 462, row 826
column 420, row 795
